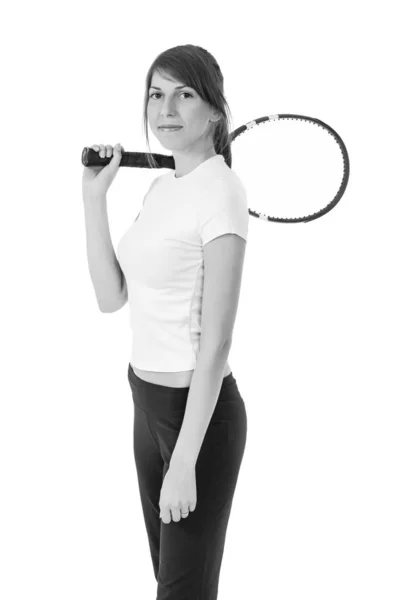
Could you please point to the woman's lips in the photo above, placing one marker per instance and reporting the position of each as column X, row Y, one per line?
column 169, row 129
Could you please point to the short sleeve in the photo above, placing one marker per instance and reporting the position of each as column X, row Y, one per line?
column 224, row 210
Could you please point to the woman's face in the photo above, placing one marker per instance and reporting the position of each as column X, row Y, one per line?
column 184, row 107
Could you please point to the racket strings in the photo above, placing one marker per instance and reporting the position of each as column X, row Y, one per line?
column 289, row 168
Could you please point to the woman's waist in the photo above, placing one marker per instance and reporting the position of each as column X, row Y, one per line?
column 178, row 379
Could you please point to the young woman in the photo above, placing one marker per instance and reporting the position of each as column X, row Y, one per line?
column 179, row 267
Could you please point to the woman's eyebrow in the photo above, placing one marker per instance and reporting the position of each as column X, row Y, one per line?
column 178, row 87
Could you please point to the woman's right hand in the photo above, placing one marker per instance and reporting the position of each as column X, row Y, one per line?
column 97, row 180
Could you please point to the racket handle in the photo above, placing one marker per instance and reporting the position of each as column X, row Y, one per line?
column 91, row 158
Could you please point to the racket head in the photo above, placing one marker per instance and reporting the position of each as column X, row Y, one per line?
column 344, row 161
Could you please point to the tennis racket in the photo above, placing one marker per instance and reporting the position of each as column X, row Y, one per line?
column 297, row 167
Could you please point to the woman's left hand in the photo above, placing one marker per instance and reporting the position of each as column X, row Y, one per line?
column 178, row 492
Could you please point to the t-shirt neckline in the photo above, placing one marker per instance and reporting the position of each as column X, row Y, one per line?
column 196, row 169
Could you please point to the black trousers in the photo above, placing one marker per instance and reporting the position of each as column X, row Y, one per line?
column 187, row 554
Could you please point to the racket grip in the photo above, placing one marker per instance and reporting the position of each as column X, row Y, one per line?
column 91, row 158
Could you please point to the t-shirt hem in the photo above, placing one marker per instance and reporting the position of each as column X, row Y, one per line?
column 163, row 369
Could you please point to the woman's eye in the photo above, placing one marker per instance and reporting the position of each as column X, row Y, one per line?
column 157, row 94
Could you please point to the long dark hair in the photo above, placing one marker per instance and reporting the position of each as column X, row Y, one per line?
column 197, row 68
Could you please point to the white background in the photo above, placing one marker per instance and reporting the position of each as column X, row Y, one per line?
column 316, row 342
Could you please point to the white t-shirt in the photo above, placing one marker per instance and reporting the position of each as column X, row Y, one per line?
column 161, row 256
